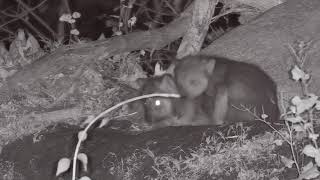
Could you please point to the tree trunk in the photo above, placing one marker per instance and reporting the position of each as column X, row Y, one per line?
column 264, row 41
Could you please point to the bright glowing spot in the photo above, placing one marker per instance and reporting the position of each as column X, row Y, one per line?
column 157, row 102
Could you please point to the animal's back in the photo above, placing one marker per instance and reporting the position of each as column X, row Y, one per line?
column 248, row 87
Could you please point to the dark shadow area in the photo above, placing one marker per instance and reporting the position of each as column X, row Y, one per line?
column 36, row 157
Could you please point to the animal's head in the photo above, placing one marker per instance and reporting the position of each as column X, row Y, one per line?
column 192, row 75
column 158, row 108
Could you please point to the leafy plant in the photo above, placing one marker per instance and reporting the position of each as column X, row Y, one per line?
column 299, row 118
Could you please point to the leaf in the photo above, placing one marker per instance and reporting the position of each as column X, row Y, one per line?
column 150, row 153
column 309, row 171
column 4, row 74
column 211, row 171
column 142, row 52
column 286, row 161
column 293, row 109
column 264, row 116
column 317, row 105
column 310, row 151
column 313, row 136
column 82, row 136
column 307, row 125
column 32, row 44
column 278, row 142
column 63, row 166
column 298, row 74
column 88, row 120
column 308, row 166
column 317, row 159
column 83, row 158
column 296, row 100
column 298, row 128
column 84, row 178
column 176, row 164
column 74, row 32
column 307, row 103
column 76, row 15
column 118, row 33
column 132, row 21
column 208, row 140
column 65, row 17
column 104, row 122
column 71, row 21
column 102, row 37
column 274, row 178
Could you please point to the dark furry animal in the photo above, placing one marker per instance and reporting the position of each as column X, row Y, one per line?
column 161, row 112
column 215, row 90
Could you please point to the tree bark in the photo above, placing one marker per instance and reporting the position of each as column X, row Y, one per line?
column 86, row 53
column 198, row 28
column 262, row 5
column 264, row 41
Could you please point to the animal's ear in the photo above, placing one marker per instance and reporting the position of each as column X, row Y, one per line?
column 141, row 82
column 171, row 68
column 158, row 70
column 209, row 65
column 167, row 84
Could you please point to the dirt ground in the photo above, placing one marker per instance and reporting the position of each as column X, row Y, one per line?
column 35, row 157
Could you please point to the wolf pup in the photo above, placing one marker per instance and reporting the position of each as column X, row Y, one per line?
column 235, row 91
column 162, row 112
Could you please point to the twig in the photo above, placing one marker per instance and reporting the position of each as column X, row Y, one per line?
column 39, row 19
column 259, row 119
column 40, row 34
column 228, row 12
column 19, row 16
column 171, row 8
column 290, row 133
